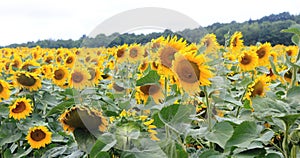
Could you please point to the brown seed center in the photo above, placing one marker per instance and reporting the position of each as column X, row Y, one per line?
column 25, row 80
column 150, row 89
column 38, row 135
column 167, row 56
column 246, row 59
column 120, row 52
column 69, row 60
column 258, row 89
column 59, row 74
column 20, row 107
column 117, row 87
column 77, row 77
column 1, row 88
column 261, row 53
column 188, row 71
column 289, row 52
column 92, row 73
column 133, row 53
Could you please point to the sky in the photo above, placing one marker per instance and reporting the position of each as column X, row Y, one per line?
column 32, row 20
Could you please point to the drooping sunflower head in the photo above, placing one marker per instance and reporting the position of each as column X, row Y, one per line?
column 236, row 42
column 60, row 75
column 20, row 109
column 4, row 90
column 83, row 118
column 258, row 87
column 153, row 90
column 263, row 53
column 27, row 80
column 191, row 72
column 39, row 136
column 248, row 60
column 79, row 78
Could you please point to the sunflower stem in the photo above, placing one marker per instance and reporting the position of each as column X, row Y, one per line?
column 294, row 77
column 285, row 142
column 209, row 114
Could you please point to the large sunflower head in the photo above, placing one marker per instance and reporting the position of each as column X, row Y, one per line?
column 236, row 42
column 263, row 53
column 27, row 80
column 38, row 136
column 20, row 109
column 60, row 75
column 83, row 118
column 248, row 60
column 191, row 72
column 79, row 78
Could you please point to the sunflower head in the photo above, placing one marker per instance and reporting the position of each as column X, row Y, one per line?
column 60, row 75
column 236, row 43
column 27, row 80
column 20, row 109
column 258, row 87
column 38, row 137
column 121, row 53
column 79, row 78
column 153, row 90
column 248, row 60
column 210, row 42
column 4, row 90
column 135, row 53
column 83, row 118
column 263, row 53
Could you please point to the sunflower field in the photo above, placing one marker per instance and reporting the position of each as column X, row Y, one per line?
column 166, row 98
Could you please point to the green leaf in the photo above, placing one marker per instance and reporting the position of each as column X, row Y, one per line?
column 211, row 154
column 257, row 152
column 243, row 135
column 60, row 108
column 220, row 134
column 273, row 155
column 84, row 139
column 97, row 148
column 22, row 154
column 7, row 154
column 271, row 59
column 296, row 40
column 289, row 119
column 4, row 111
column 173, row 149
column 293, row 29
column 55, row 152
column 293, row 92
column 151, row 78
column 11, row 138
column 101, row 154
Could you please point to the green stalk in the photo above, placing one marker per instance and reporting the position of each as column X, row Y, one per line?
column 209, row 114
column 285, row 142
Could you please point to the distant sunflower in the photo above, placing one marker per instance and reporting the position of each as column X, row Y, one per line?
column 121, row 53
column 49, row 58
column 248, row 60
column 38, row 136
column 20, row 109
column 156, row 43
column 153, row 90
column 27, row 80
column 47, row 71
column 95, row 74
column 258, row 87
column 263, row 53
column 60, row 75
column 4, row 90
column 143, row 66
column 191, row 72
column 135, row 53
column 210, row 42
column 236, row 43
column 31, row 66
column 83, row 118
column 292, row 52
column 16, row 62
column 70, row 60
column 79, row 78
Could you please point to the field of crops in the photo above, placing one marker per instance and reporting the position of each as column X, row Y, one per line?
column 167, row 98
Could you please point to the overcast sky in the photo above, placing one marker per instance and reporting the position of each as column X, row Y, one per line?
column 32, row 20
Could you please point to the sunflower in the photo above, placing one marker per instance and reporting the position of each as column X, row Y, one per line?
column 47, row 71
column 60, row 75
column 143, row 66
column 258, row 87
column 31, row 66
column 153, row 90
column 38, row 136
column 210, row 42
column 20, row 109
column 248, row 60
column 156, row 43
column 49, row 58
column 191, row 72
column 135, row 53
column 70, row 60
column 4, row 90
column 236, row 43
column 292, row 52
column 83, row 118
column 95, row 74
column 121, row 53
column 263, row 53
column 79, row 78
column 16, row 62
column 27, row 80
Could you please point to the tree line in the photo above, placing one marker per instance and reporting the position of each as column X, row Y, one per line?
column 265, row 29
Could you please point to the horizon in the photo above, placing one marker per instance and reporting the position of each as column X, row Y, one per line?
column 54, row 20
